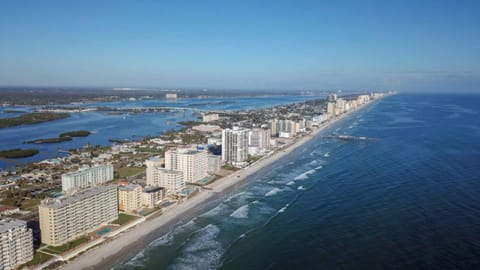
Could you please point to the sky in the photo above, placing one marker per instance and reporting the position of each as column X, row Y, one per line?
column 305, row 45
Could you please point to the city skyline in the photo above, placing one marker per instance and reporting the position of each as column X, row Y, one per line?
column 308, row 45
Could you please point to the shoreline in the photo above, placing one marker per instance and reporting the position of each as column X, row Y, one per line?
column 129, row 243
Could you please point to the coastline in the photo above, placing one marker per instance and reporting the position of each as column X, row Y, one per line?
column 129, row 243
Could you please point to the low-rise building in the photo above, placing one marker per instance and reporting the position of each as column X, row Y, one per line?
column 210, row 117
column 151, row 196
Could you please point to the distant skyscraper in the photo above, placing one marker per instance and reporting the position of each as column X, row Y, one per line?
column 235, row 145
column 16, row 243
column 87, row 177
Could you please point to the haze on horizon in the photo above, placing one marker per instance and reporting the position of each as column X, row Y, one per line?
column 405, row 45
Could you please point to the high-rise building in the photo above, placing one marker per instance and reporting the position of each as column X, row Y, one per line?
column 235, row 145
column 153, row 163
column 259, row 137
column 285, row 127
column 87, row 177
column 16, row 243
column 172, row 181
column 214, row 164
column 192, row 163
column 130, row 198
column 65, row 219
column 331, row 109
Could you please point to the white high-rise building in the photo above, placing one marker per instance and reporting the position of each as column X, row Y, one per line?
column 65, row 219
column 172, row 181
column 235, row 145
column 87, row 177
column 192, row 163
column 152, row 164
column 210, row 117
column 16, row 243
column 259, row 137
column 331, row 109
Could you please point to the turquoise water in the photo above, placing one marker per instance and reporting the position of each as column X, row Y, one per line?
column 104, row 231
column 408, row 200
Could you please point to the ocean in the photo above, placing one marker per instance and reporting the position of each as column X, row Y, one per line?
column 406, row 199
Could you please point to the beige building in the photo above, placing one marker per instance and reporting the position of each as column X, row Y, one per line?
column 65, row 219
column 16, row 243
column 192, row 163
column 172, row 181
column 152, row 196
column 210, row 117
column 259, row 138
column 130, row 198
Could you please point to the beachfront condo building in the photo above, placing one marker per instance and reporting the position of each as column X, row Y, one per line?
column 286, row 128
column 331, row 109
column 171, row 180
column 130, row 198
column 16, row 243
column 67, row 218
column 151, row 196
column 87, row 177
column 235, row 145
column 192, row 163
column 214, row 164
column 258, row 140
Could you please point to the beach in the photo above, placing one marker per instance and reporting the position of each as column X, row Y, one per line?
column 129, row 243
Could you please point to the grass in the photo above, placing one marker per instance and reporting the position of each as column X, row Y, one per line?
column 67, row 246
column 39, row 258
column 123, row 219
column 129, row 171
column 230, row 167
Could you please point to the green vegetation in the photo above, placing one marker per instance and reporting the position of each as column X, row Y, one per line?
column 18, row 153
column 13, row 111
column 67, row 246
column 230, row 167
column 196, row 137
column 51, row 140
column 39, row 258
column 190, row 123
column 77, row 133
column 31, row 118
column 129, row 171
column 124, row 219
column 252, row 159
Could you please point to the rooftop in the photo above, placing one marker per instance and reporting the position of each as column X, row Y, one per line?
column 80, row 196
column 10, row 223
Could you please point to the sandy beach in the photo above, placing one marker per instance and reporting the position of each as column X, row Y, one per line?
column 129, row 243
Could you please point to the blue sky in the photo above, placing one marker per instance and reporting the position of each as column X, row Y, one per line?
column 405, row 45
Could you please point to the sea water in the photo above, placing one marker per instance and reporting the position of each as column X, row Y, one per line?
column 407, row 199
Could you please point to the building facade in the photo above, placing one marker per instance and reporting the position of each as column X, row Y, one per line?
column 152, row 196
column 260, row 138
column 235, row 145
column 192, row 163
column 87, row 177
column 16, row 243
column 130, row 198
column 171, row 180
column 65, row 219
